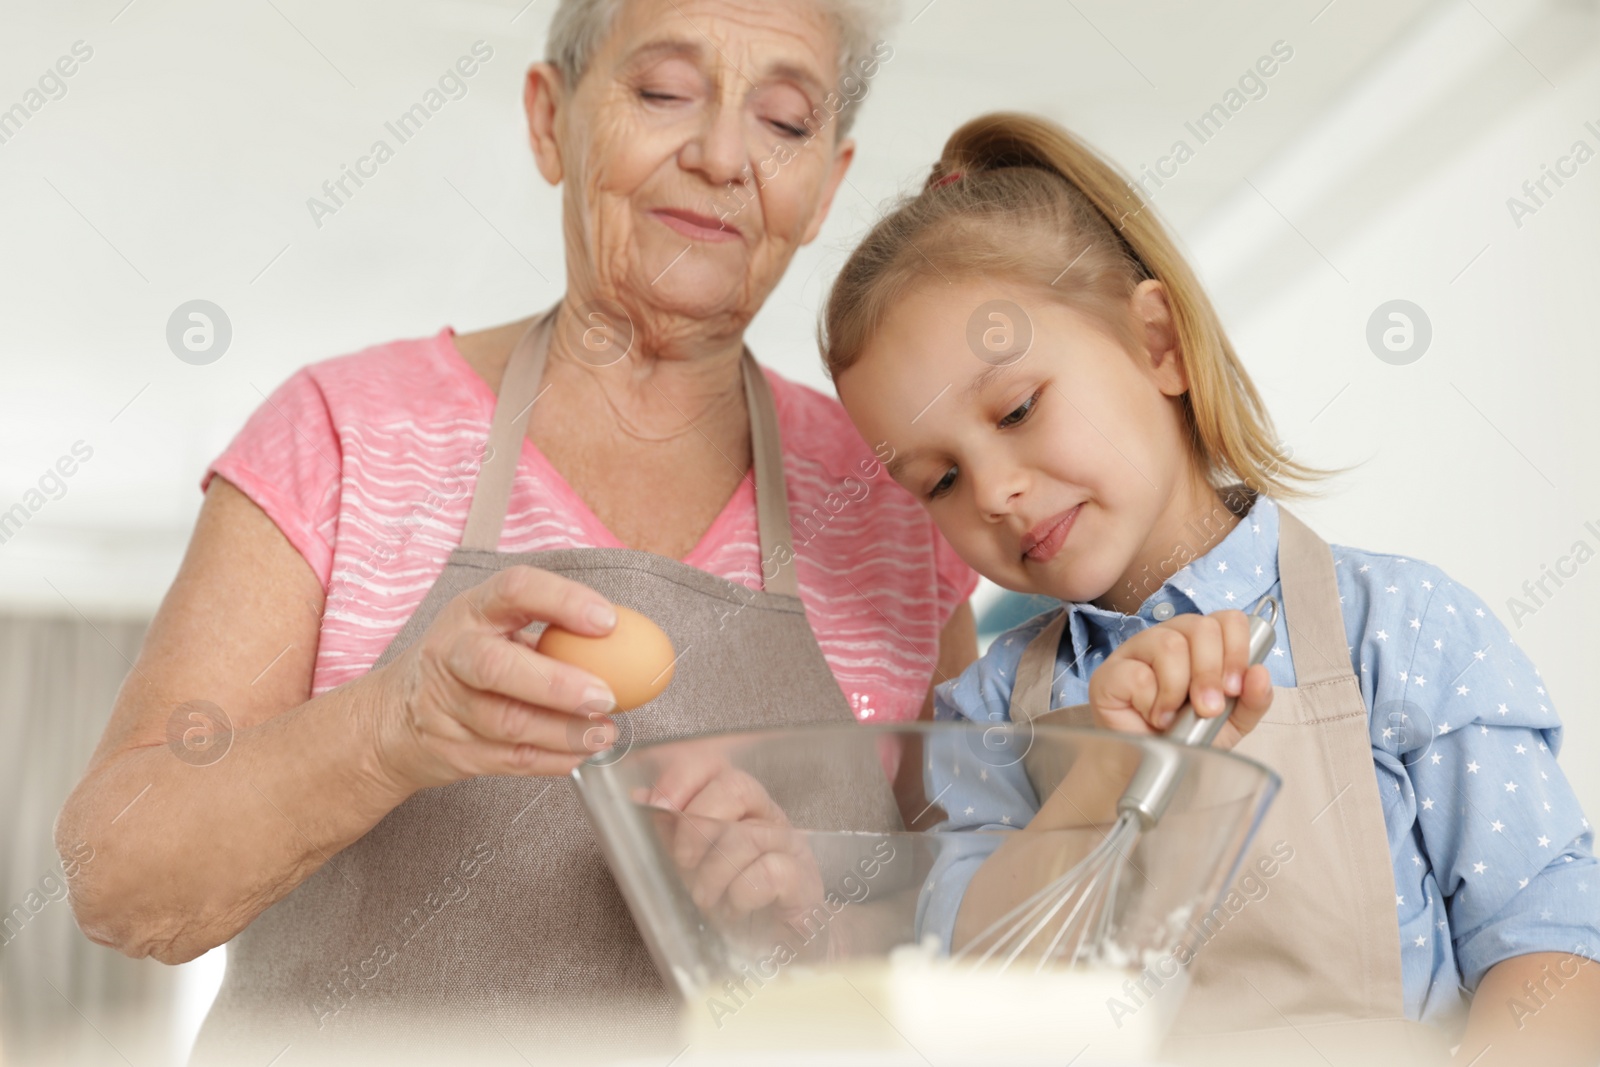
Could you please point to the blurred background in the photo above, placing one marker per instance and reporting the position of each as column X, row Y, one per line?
column 1397, row 162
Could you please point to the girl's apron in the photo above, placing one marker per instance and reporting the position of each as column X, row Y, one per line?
column 483, row 910
column 1310, row 972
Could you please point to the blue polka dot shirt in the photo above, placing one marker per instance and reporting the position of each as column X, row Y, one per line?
column 1491, row 853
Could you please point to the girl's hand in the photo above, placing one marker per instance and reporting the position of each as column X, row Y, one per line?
column 733, row 844
column 1203, row 659
column 472, row 697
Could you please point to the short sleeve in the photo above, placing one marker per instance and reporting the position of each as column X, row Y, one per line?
column 956, row 580
column 287, row 460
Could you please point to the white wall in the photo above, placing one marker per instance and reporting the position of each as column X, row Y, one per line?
column 1481, row 456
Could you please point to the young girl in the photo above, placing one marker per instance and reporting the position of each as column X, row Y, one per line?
column 1061, row 396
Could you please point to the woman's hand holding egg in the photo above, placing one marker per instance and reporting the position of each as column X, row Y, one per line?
column 635, row 659
column 470, row 697
column 1203, row 659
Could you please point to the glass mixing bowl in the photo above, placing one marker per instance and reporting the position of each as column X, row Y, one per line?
column 956, row 888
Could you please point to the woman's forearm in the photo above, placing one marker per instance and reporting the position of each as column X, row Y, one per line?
column 169, row 859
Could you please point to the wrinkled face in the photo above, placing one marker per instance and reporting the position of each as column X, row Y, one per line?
column 699, row 152
column 1053, row 474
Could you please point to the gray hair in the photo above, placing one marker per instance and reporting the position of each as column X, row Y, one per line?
column 578, row 28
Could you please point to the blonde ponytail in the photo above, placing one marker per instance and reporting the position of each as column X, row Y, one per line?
column 1018, row 197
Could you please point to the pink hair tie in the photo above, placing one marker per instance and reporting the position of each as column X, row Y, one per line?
column 947, row 179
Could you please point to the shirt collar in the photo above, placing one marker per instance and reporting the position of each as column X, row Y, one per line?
column 1237, row 572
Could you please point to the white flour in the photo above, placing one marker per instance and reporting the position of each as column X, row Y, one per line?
column 948, row 1012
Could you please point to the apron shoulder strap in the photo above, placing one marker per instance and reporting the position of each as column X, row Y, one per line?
column 1036, row 671
column 772, row 492
column 519, row 391
column 1311, row 603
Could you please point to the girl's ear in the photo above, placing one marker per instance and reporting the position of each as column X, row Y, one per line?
column 1152, row 320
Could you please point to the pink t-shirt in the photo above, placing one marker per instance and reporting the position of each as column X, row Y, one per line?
column 367, row 462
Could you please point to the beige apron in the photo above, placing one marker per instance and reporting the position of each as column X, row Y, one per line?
column 480, row 914
column 1309, row 973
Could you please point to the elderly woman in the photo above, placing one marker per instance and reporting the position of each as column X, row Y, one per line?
column 338, row 750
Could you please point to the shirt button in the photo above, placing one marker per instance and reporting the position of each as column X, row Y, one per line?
column 1162, row 612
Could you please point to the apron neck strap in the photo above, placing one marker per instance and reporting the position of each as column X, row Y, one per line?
column 519, row 392
column 1311, row 612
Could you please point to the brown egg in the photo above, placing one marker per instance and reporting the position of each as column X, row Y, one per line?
column 635, row 659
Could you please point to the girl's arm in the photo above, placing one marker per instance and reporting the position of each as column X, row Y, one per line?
column 1465, row 738
column 1542, row 1008
column 1147, row 679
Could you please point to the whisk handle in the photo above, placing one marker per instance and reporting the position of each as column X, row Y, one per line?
column 1154, row 783
column 1189, row 728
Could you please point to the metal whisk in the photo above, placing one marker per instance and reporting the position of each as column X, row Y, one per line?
column 1088, row 891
